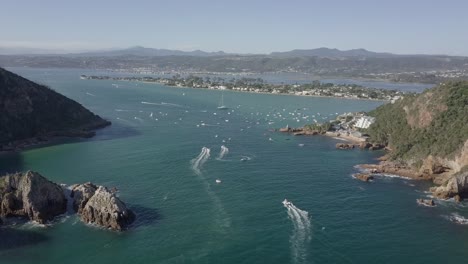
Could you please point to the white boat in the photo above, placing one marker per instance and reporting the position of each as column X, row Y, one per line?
column 221, row 104
column 218, row 181
column 287, row 203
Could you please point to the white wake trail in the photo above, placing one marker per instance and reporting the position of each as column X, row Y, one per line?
column 198, row 162
column 171, row 104
column 224, row 151
column 301, row 235
column 150, row 103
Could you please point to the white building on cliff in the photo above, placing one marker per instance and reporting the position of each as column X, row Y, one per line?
column 364, row 122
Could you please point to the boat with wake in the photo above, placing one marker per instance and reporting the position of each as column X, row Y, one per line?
column 221, row 104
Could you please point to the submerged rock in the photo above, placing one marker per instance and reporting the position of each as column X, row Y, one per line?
column 31, row 195
column 105, row 209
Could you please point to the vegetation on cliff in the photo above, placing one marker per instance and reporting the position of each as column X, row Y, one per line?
column 29, row 110
column 434, row 123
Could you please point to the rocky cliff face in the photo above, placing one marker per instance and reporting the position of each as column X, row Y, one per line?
column 428, row 135
column 457, row 185
column 31, row 195
column 32, row 111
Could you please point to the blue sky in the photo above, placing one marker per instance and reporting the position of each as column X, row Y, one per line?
column 238, row 26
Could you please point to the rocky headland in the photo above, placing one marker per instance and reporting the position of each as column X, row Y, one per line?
column 426, row 136
column 31, row 196
column 33, row 114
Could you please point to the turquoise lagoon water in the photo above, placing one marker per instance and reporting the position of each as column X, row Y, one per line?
column 156, row 154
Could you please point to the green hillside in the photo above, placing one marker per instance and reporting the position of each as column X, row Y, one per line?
column 432, row 123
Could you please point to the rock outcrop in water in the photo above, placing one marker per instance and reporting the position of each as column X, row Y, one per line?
column 81, row 193
column 363, row 177
column 98, row 205
column 457, row 186
column 426, row 202
column 32, row 196
column 344, row 146
column 31, row 114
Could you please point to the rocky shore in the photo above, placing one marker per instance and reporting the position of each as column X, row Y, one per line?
column 31, row 196
column 394, row 168
column 354, row 142
column 363, row 177
column 448, row 184
column 51, row 137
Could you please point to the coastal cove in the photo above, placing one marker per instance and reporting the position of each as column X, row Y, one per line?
column 153, row 153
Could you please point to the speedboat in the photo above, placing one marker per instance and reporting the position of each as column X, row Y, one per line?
column 287, row 203
column 218, row 181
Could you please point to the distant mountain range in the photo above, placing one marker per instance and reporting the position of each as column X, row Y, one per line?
column 149, row 52
column 332, row 53
column 323, row 62
column 152, row 52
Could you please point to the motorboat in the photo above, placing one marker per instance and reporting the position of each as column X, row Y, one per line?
column 287, row 203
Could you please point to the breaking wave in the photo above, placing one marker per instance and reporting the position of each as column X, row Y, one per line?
column 456, row 218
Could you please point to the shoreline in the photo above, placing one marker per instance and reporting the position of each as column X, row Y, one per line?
column 309, row 75
column 52, row 138
column 283, row 94
column 335, row 135
column 392, row 168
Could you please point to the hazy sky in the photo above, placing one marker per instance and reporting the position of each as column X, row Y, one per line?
column 399, row 26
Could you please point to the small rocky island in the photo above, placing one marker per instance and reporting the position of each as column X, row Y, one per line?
column 31, row 196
